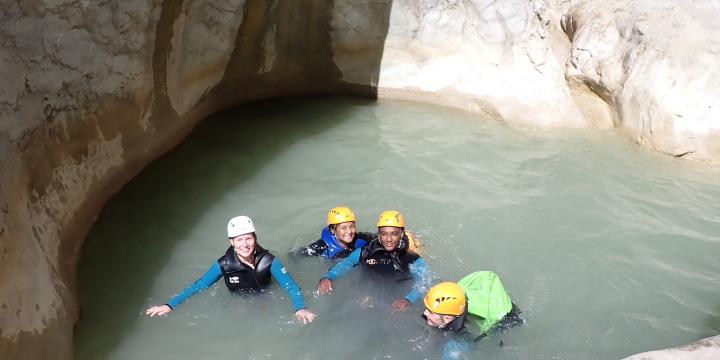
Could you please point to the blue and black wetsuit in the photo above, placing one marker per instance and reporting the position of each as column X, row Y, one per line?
column 328, row 246
column 399, row 264
column 240, row 277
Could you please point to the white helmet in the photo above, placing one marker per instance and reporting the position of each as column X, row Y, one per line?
column 240, row 225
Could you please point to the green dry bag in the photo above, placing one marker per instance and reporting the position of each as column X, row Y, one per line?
column 486, row 297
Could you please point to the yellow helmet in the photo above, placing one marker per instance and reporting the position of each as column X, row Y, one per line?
column 446, row 298
column 339, row 215
column 391, row 218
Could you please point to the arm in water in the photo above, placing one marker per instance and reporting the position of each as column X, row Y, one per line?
column 281, row 275
column 340, row 269
column 455, row 349
column 344, row 267
column 315, row 249
column 419, row 271
column 210, row 277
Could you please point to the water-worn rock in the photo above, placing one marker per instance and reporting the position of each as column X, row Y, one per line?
column 647, row 67
column 705, row 349
column 92, row 91
column 67, row 65
column 506, row 58
column 202, row 43
column 655, row 63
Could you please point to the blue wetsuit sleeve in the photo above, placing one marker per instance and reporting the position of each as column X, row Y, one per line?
column 286, row 281
column 344, row 266
column 419, row 271
column 455, row 349
column 210, row 277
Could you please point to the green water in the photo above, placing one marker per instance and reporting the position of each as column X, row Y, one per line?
column 608, row 249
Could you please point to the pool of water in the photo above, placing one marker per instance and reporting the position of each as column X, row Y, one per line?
column 608, row 249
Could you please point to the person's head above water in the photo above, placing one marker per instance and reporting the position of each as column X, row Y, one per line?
column 241, row 232
column 243, row 269
column 391, row 226
column 341, row 223
column 444, row 302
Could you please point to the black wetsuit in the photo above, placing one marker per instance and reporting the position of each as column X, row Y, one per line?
column 396, row 263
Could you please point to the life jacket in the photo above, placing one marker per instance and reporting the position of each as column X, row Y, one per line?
column 395, row 263
column 414, row 244
column 241, row 277
column 486, row 298
column 334, row 248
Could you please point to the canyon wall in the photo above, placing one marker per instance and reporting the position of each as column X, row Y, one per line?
column 94, row 91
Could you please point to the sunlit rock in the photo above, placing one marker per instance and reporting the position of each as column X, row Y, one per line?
column 505, row 58
column 655, row 63
column 92, row 91
column 705, row 349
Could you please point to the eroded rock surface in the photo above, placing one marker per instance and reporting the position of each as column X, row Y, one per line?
column 647, row 67
column 92, row 91
column 705, row 349
column 65, row 66
column 502, row 57
column 656, row 64
column 202, row 44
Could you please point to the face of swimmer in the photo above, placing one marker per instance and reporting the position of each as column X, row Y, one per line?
column 345, row 232
column 390, row 237
column 244, row 245
column 437, row 320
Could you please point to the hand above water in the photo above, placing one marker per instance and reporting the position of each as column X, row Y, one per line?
column 158, row 310
column 401, row 304
column 305, row 316
column 325, row 286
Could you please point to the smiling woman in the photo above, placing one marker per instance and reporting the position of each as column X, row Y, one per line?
column 339, row 238
column 246, row 267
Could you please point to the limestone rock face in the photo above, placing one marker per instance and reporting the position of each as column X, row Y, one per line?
column 357, row 33
column 64, row 65
column 647, row 67
column 203, row 41
column 705, row 349
column 92, row 91
column 656, row 64
column 506, row 58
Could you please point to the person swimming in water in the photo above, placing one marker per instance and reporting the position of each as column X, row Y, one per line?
column 479, row 299
column 339, row 238
column 387, row 255
column 246, row 267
